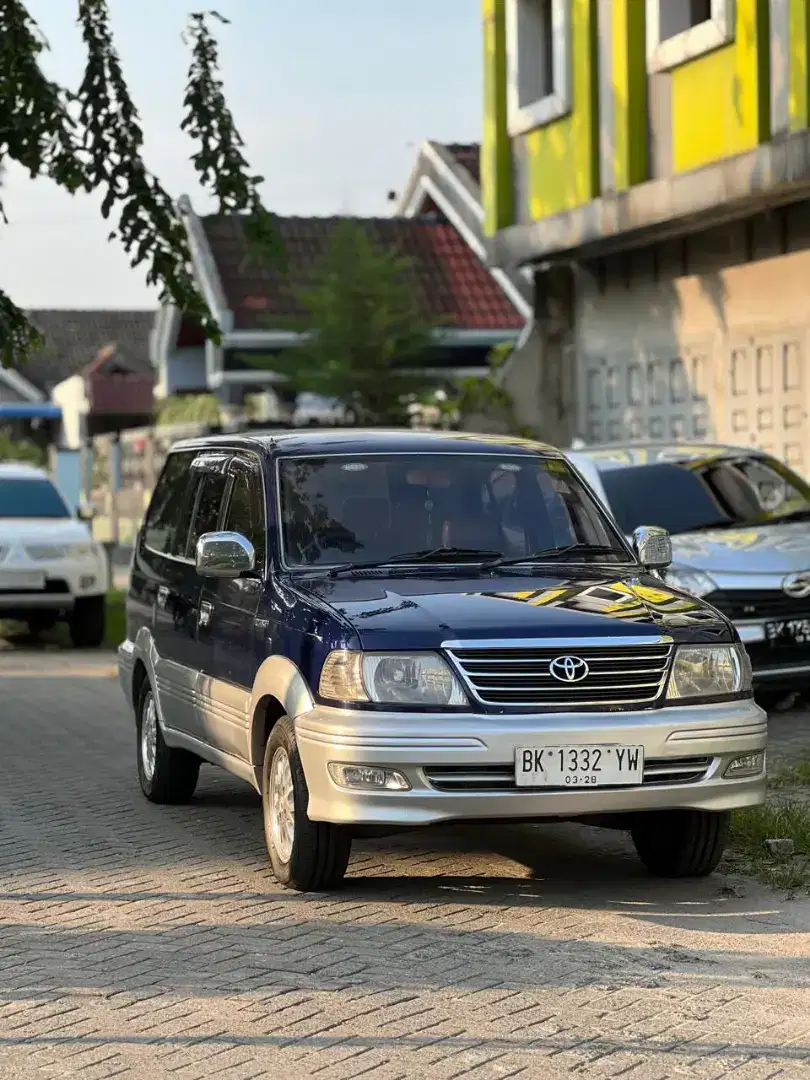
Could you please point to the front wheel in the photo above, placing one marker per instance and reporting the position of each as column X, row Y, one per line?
column 681, row 843
column 309, row 856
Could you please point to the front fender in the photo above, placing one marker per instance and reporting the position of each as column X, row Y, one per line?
column 281, row 679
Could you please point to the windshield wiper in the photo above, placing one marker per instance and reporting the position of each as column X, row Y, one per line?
column 555, row 554
column 425, row 555
column 792, row 515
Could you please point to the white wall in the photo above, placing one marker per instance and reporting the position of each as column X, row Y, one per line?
column 71, row 399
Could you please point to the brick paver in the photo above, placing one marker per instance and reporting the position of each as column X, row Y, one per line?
column 149, row 942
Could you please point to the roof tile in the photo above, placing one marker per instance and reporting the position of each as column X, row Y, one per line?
column 468, row 155
column 74, row 339
column 456, row 289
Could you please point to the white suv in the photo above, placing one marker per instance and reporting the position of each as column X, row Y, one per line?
column 51, row 569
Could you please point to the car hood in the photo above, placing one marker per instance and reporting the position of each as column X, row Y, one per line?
column 763, row 549
column 402, row 611
column 50, row 530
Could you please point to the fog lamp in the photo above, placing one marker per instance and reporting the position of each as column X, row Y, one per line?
column 745, row 765
column 367, row 777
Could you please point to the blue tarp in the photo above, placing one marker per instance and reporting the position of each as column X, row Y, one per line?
column 29, row 410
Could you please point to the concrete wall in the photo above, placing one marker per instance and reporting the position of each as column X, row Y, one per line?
column 703, row 337
column 184, row 371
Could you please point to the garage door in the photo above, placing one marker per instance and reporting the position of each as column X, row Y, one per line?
column 636, row 398
column 767, row 396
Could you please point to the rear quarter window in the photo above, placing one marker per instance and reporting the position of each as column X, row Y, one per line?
column 168, row 517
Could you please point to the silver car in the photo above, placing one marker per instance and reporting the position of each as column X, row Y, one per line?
column 738, row 519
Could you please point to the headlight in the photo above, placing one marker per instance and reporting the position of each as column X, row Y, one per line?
column 709, row 671
column 692, row 581
column 389, row 679
column 83, row 551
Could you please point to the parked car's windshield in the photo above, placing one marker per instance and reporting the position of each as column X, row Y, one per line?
column 704, row 494
column 34, row 498
column 343, row 509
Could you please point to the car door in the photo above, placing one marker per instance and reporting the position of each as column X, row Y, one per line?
column 229, row 637
column 163, row 585
column 210, row 482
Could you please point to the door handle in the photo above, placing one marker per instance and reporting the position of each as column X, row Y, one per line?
column 206, row 610
column 162, row 596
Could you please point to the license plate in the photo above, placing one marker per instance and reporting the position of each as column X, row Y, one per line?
column 21, row 579
column 579, row 766
column 788, row 632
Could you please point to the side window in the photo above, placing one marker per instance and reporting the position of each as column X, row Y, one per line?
column 246, row 512
column 167, row 519
column 210, row 496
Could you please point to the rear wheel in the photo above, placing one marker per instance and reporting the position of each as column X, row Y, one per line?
column 166, row 775
column 88, row 622
column 310, row 856
column 681, row 843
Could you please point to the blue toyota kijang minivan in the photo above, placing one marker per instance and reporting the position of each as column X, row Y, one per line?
column 383, row 630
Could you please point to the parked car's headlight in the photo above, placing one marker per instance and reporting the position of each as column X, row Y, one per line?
column 84, row 550
column 709, row 671
column 692, row 581
column 390, row 679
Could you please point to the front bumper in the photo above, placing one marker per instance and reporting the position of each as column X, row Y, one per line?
column 61, row 583
column 420, row 745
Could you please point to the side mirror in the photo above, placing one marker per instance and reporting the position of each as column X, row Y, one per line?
column 224, row 555
column 653, row 547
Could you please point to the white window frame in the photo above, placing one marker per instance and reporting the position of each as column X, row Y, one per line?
column 524, row 117
column 697, row 40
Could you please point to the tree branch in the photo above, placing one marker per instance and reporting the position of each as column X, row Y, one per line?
column 219, row 161
column 149, row 225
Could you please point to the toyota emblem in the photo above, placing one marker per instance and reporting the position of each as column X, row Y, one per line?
column 569, row 669
column 797, row 586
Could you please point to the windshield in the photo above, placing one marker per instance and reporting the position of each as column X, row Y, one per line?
column 700, row 494
column 338, row 510
column 23, row 498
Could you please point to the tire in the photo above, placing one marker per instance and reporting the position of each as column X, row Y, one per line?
column 88, row 622
column 40, row 623
column 308, row 856
column 681, row 843
column 167, row 776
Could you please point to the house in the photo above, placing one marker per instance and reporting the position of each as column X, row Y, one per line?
column 259, row 312
column 647, row 162
column 91, row 375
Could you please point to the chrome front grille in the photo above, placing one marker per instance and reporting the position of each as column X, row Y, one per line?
column 484, row 778
column 46, row 552
column 617, row 675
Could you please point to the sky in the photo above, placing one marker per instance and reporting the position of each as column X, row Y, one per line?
column 332, row 98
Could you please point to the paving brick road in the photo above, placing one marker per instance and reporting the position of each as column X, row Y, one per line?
column 148, row 942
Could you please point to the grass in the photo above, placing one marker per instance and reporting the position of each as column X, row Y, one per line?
column 17, row 633
column 785, row 816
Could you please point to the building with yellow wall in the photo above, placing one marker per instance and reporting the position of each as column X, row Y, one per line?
column 653, row 156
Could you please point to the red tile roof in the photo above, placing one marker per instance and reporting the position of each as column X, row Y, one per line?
column 468, row 155
column 457, row 290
